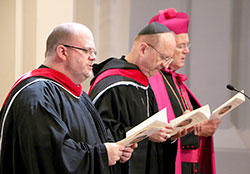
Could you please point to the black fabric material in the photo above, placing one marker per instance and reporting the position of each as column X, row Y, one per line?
column 112, row 63
column 125, row 106
column 190, row 168
column 47, row 130
column 174, row 102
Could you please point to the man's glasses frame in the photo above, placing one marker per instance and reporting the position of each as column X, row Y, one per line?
column 88, row 51
column 166, row 59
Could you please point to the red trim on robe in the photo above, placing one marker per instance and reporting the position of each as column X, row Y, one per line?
column 130, row 73
column 206, row 150
column 51, row 74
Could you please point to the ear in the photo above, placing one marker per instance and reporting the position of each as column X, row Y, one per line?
column 142, row 48
column 61, row 52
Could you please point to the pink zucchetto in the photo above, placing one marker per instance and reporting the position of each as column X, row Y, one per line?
column 175, row 21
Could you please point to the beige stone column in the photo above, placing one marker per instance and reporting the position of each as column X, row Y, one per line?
column 109, row 21
column 113, row 28
column 25, row 25
column 7, row 45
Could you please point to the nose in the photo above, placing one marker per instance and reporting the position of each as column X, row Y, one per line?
column 92, row 57
column 186, row 50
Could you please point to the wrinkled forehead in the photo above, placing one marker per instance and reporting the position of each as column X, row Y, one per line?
column 182, row 38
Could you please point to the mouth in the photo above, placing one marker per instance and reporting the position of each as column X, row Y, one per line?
column 90, row 66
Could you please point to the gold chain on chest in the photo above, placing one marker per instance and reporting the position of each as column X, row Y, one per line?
column 185, row 101
column 177, row 98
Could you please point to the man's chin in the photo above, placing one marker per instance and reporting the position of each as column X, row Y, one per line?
column 182, row 65
column 152, row 73
column 91, row 74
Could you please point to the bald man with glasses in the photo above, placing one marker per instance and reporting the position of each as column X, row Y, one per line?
column 121, row 93
column 48, row 123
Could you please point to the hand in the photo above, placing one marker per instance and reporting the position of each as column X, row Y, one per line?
column 162, row 135
column 182, row 133
column 207, row 128
column 127, row 153
column 114, row 151
column 186, row 111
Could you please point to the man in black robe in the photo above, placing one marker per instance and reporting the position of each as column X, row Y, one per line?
column 122, row 95
column 48, row 124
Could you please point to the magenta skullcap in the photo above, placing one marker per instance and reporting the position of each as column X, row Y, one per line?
column 175, row 21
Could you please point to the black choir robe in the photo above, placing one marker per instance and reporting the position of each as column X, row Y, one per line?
column 123, row 97
column 48, row 125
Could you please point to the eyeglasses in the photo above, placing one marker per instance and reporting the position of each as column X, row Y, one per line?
column 166, row 59
column 183, row 46
column 89, row 51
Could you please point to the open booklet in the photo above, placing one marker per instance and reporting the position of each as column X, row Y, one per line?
column 185, row 121
column 228, row 106
column 159, row 120
column 190, row 119
column 203, row 113
column 145, row 128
